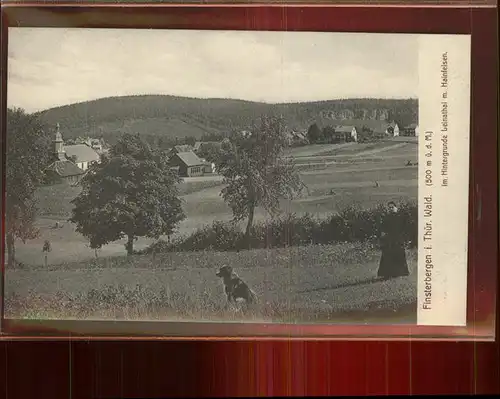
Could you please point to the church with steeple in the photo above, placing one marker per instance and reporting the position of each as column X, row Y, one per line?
column 61, row 168
column 58, row 142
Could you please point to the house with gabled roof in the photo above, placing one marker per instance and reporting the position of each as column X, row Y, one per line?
column 82, row 155
column 345, row 133
column 63, row 171
column 382, row 128
column 393, row 129
column 188, row 164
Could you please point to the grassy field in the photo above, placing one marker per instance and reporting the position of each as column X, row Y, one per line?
column 314, row 283
column 55, row 201
column 301, row 284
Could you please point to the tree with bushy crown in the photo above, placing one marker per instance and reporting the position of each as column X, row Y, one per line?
column 314, row 133
column 256, row 172
column 132, row 193
column 27, row 154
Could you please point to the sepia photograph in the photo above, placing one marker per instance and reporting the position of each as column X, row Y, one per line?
column 212, row 176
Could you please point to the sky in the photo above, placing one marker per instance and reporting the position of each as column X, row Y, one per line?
column 50, row 67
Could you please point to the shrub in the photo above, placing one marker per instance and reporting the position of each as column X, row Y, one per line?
column 220, row 236
column 350, row 225
column 288, row 230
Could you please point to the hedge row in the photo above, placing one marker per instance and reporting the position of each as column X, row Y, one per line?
column 350, row 225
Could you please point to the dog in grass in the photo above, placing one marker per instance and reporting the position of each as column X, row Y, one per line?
column 235, row 288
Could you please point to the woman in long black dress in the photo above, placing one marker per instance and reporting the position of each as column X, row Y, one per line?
column 393, row 261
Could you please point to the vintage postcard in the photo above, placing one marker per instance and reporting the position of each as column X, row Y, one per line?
column 225, row 176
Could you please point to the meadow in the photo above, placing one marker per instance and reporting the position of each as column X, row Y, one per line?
column 298, row 284
column 310, row 283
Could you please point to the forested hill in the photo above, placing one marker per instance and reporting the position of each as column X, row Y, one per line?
column 169, row 116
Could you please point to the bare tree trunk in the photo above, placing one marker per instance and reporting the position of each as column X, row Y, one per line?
column 129, row 246
column 11, row 249
column 248, row 237
column 45, row 259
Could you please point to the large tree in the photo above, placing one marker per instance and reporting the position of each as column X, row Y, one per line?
column 256, row 172
column 132, row 193
column 314, row 134
column 328, row 134
column 27, row 155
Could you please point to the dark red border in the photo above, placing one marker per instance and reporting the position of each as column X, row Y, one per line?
column 481, row 22
column 168, row 369
column 247, row 17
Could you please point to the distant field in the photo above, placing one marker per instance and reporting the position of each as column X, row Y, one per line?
column 355, row 148
column 191, row 186
column 302, row 284
column 55, row 201
column 316, row 149
column 386, row 153
column 407, row 139
column 330, row 189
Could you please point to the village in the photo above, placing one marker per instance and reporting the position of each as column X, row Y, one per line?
column 71, row 159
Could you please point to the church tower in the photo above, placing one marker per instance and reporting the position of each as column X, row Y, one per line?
column 59, row 152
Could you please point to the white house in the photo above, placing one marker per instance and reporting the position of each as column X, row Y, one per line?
column 395, row 129
column 346, row 133
column 82, row 155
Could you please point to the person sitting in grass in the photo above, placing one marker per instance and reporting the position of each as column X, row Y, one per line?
column 393, row 261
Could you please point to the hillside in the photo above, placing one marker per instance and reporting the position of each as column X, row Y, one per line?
column 170, row 117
